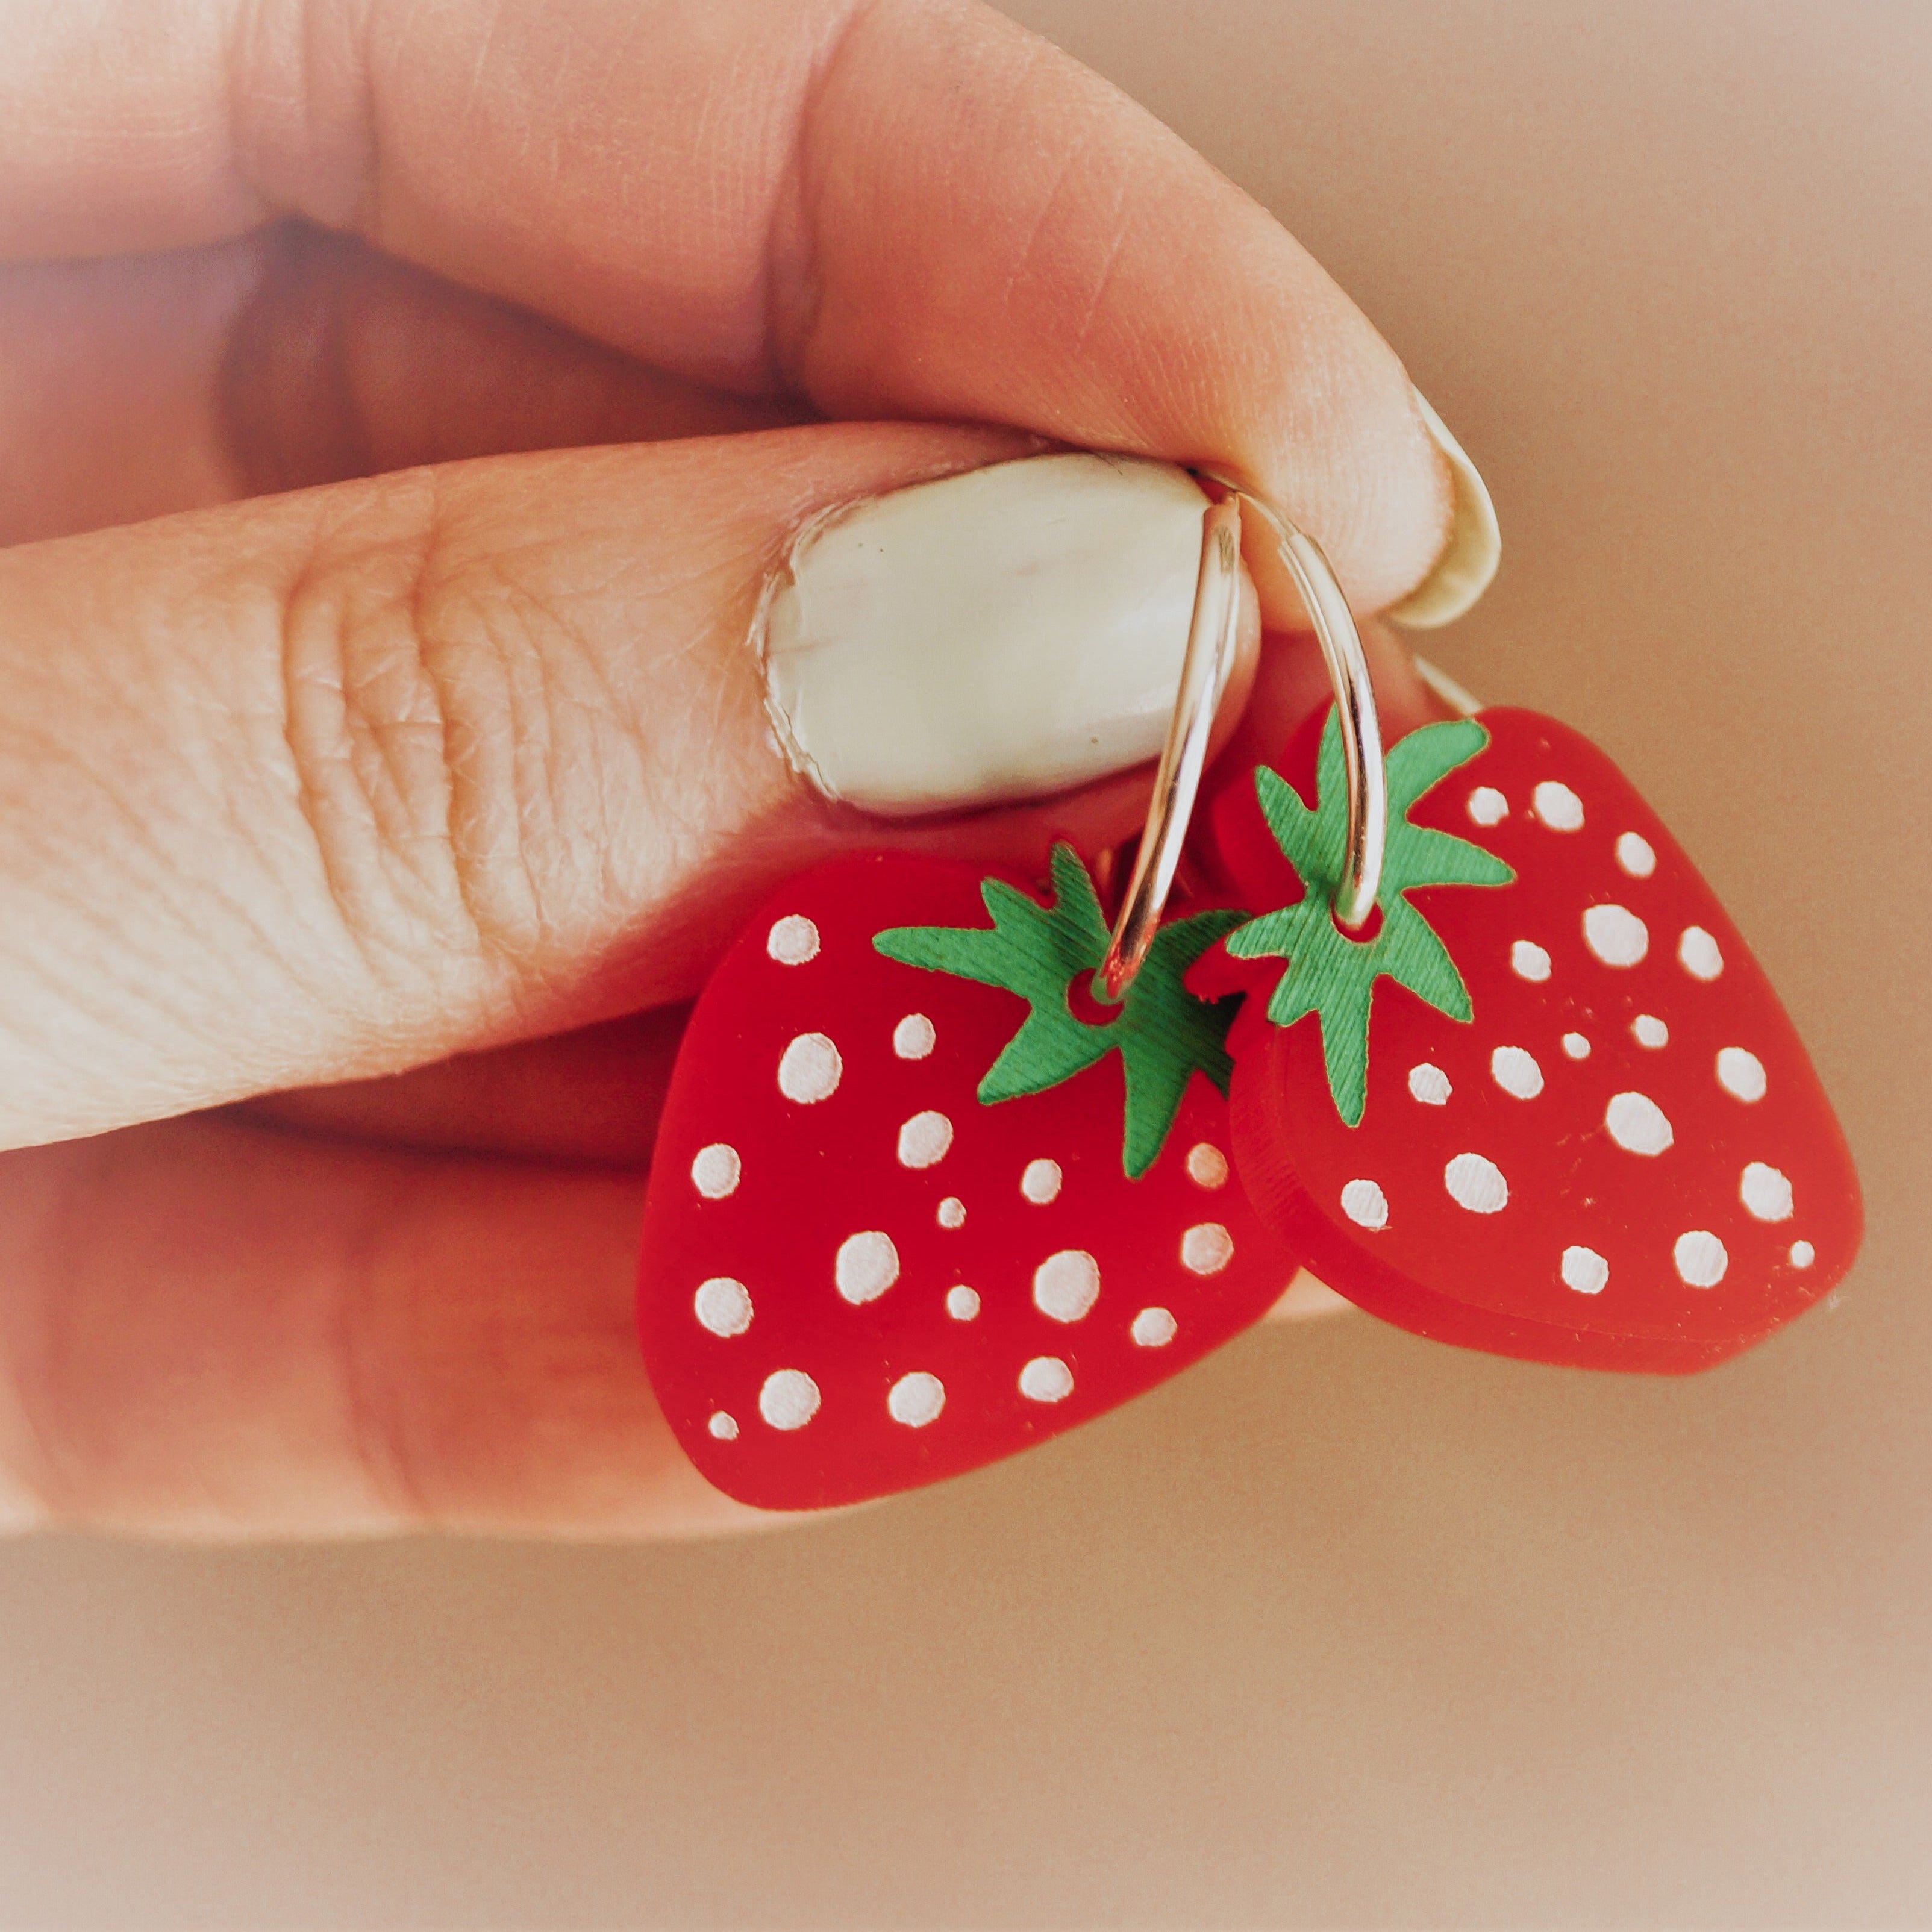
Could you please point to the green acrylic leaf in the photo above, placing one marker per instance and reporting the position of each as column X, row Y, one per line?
column 1163, row 1033
column 1330, row 974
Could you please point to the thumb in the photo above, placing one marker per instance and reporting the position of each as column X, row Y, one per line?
column 334, row 784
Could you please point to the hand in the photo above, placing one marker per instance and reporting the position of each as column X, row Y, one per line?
column 376, row 787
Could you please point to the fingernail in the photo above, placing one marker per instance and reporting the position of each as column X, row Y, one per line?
column 988, row 637
column 1468, row 560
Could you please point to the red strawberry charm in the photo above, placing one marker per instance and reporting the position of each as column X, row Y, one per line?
column 920, row 1200
column 1545, row 1103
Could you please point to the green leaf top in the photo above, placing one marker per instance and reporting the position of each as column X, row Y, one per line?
column 1329, row 974
column 1162, row 1033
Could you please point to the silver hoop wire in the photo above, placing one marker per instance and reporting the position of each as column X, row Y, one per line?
column 1347, row 665
column 1204, row 672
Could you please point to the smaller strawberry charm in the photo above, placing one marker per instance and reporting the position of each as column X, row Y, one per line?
column 921, row 1198
column 1543, row 1103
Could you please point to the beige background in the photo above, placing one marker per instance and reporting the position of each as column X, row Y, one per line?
column 1343, row 1628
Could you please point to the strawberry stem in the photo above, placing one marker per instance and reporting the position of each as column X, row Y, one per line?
column 1330, row 973
column 1163, row 1034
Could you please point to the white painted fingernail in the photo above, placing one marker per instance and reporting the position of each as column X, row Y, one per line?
column 1469, row 559
column 987, row 637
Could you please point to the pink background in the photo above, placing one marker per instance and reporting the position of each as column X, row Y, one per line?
column 1342, row 1629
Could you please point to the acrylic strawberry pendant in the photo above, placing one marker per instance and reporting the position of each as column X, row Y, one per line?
column 920, row 1201
column 1547, row 1104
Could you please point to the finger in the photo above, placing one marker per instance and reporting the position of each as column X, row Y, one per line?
column 346, row 362
column 145, row 385
column 216, row 1330
column 107, row 371
column 323, row 786
column 590, row 1097
column 593, row 1096
column 212, row 1329
column 910, row 208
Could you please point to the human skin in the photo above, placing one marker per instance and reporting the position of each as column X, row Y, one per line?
column 401, row 407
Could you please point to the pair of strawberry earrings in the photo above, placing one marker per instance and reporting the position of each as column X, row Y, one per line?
column 948, row 1166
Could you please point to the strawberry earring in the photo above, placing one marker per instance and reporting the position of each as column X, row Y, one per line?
column 948, row 1165
column 945, row 1168
column 1507, row 1075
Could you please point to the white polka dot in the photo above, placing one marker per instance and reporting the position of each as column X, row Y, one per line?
column 1153, row 1328
column 867, row 1265
column 1635, row 856
column 789, row 1399
column 924, row 1139
column 1487, row 805
column 1365, row 1204
column 809, row 1069
column 1041, row 1182
column 723, row 1306
column 1576, row 1046
column 1697, row 953
column 1207, row 1165
column 1207, row 1249
column 914, row 1037
column 1765, row 1192
column 1803, row 1254
column 724, row 1427
column 1648, row 1030
column 1637, row 1124
column 1558, row 806
column 962, row 1302
column 1615, row 935
column 793, row 940
column 1740, row 1073
column 952, row 1212
column 916, row 1399
column 1584, row 1270
column 716, row 1171
column 1516, row 1071
column 1700, row 1258
column 1430, row 1085
column 1067, row 1285
column 1476, row 1184
column 1527, row 961
column 1046, row 1378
